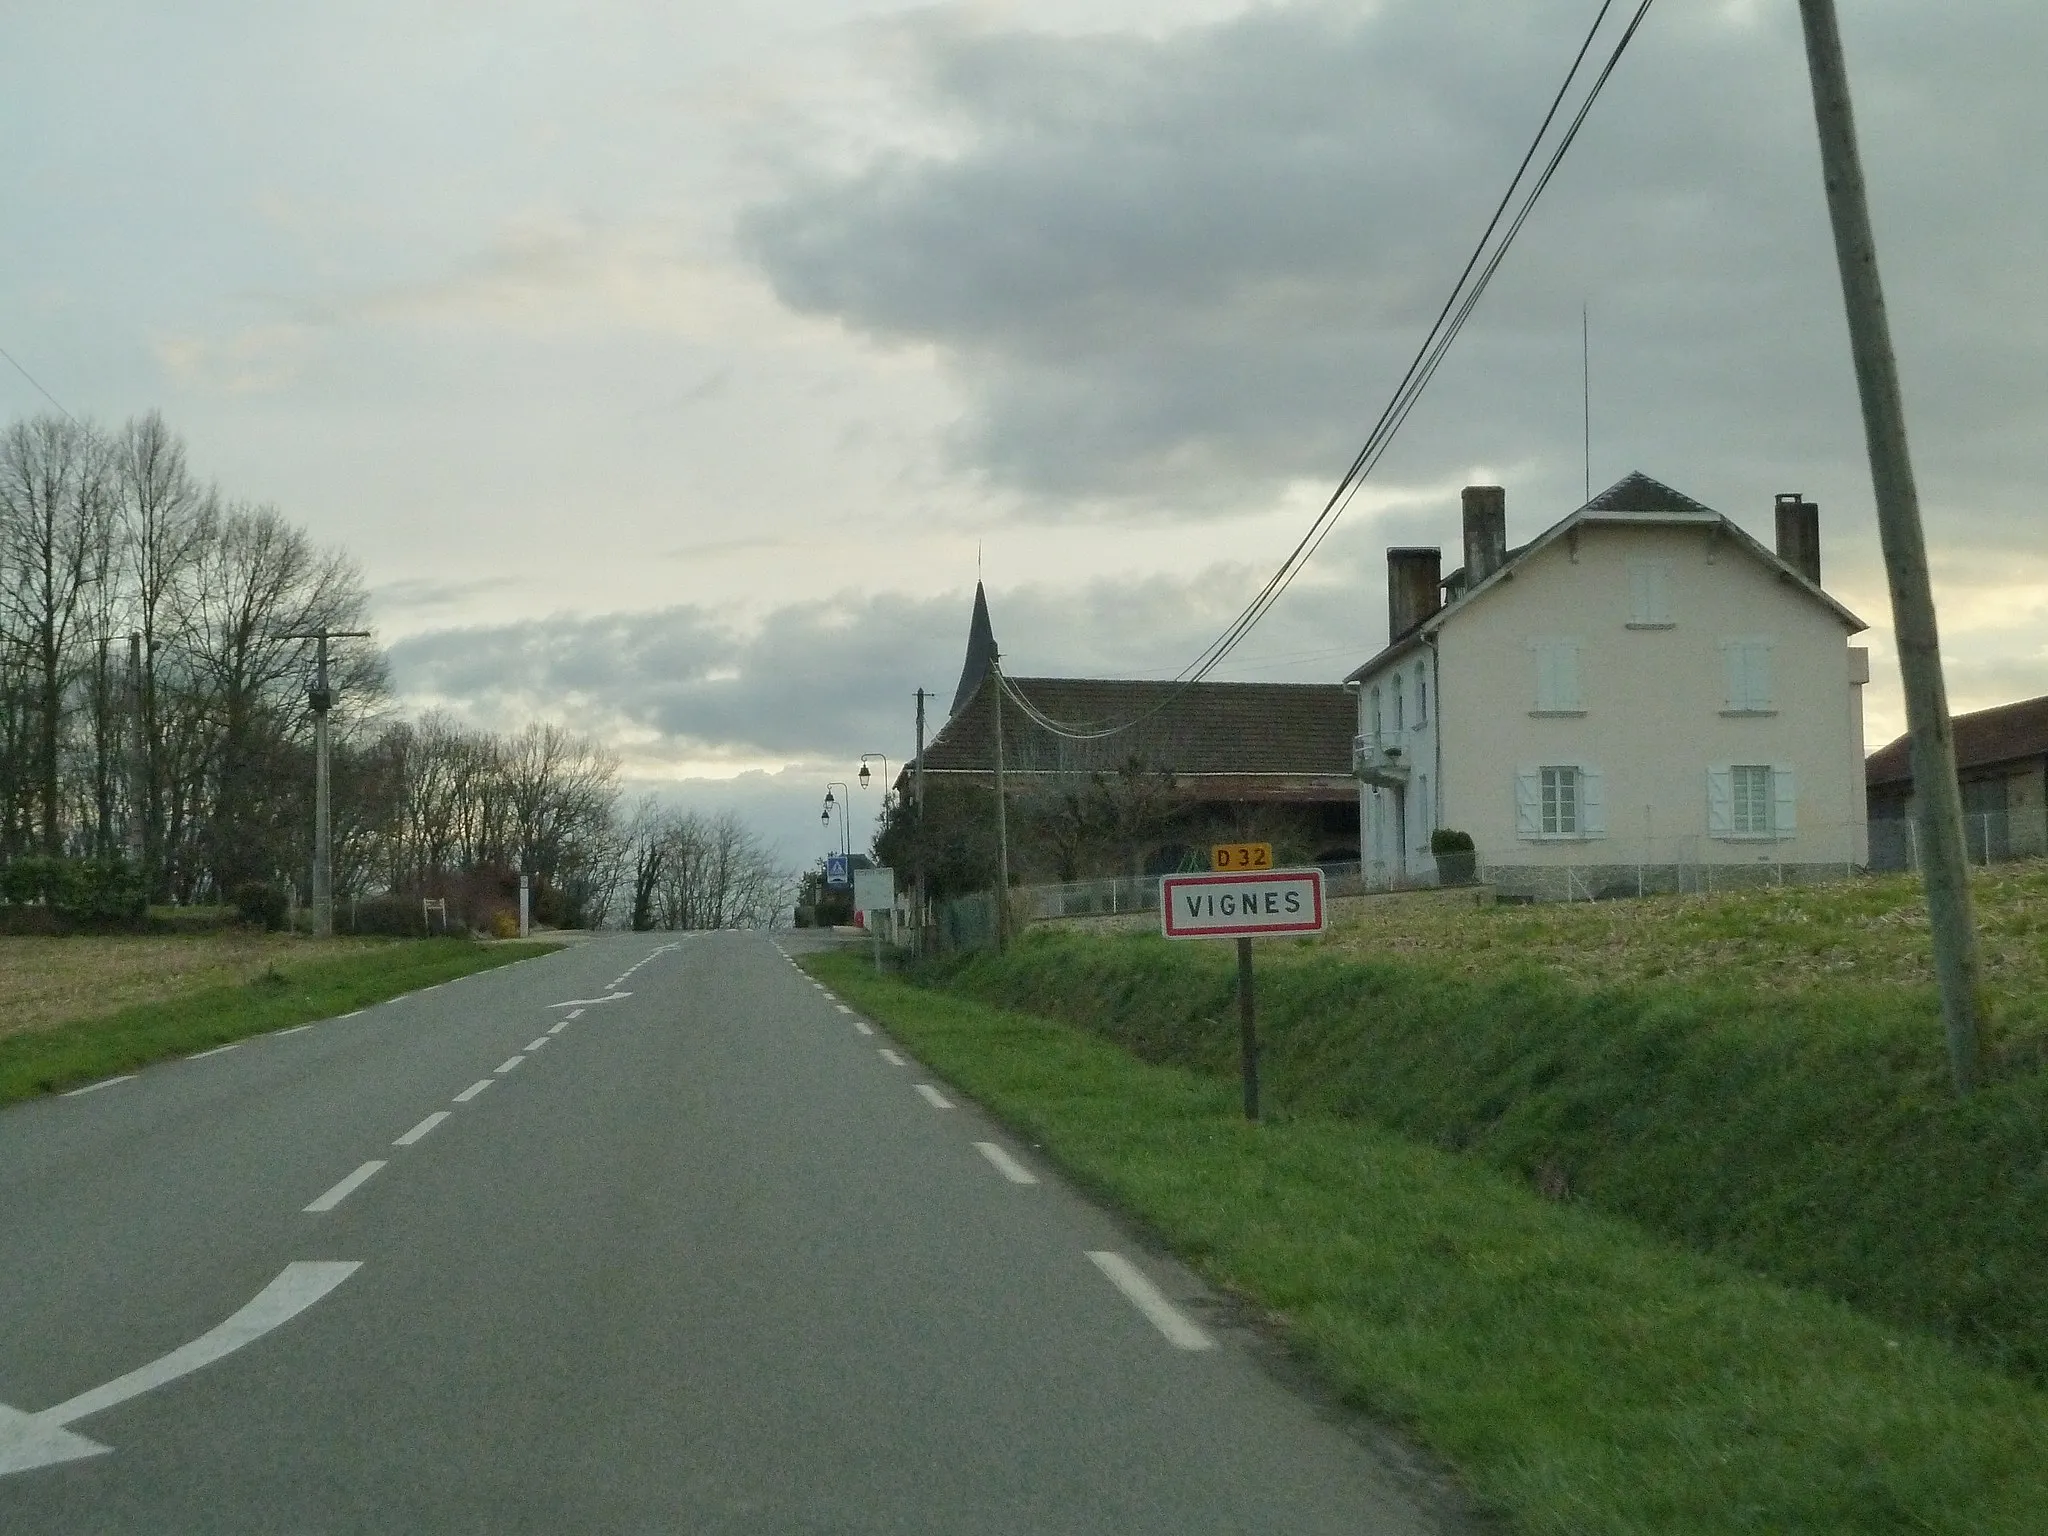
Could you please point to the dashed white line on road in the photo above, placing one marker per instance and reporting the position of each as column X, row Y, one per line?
column 933, row 1097
column 232, row 1045
column 105, row 1082
column 556, row 1029
column 345, row 1188
column 543, row 1040
column 1005, row 1164
column 1150, row 1300
column 508, row 1064
column 576, row 1013
column 473, row 1090
column 892, row 1058
column 294, row 1029
column 420, row 1130
column 864, row 1026
column 357, row 1014
column 843, row 1008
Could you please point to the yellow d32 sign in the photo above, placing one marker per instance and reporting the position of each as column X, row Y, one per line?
column 1235, row 856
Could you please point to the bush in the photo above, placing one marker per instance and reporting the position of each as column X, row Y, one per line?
column 505, row 925
column 261, row 905
column 1444, row 840
column 81, row 893
column 393, row 917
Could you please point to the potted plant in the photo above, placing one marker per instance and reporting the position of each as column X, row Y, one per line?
column 1457, row 862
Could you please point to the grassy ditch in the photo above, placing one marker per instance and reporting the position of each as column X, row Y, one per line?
column 289, row 990
column 1807, row 1134
column 1582, row 1377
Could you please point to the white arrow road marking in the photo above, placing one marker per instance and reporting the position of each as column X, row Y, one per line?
column 40, row 1439
column 587, row 1002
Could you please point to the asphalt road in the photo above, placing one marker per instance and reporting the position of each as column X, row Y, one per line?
column 703, row 1258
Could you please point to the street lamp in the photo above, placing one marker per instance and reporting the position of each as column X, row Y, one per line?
column 845, row 834
column 865, row 758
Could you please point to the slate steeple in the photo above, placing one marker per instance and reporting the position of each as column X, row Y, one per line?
column 981, row 650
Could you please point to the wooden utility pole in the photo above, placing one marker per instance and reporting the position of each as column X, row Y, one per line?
column 321, row 697
column 917, row 792
column 995, row 667
column 1939, row 807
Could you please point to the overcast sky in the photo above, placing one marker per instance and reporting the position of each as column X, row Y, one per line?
column 668, row 367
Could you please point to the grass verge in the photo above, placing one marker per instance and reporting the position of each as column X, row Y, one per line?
column 1581, row 1376
column 1810, row 1135
column 66, row 1055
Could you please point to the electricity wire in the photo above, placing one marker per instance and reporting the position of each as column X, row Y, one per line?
column 1464, row 298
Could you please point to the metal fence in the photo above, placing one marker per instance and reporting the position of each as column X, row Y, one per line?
column 1685, row 866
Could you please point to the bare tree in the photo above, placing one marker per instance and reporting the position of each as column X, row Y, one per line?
column 55, row 520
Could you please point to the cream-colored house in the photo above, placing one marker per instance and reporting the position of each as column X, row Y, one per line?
column 1638, row 698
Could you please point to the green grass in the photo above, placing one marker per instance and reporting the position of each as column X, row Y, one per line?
column 1810, row 1135
column 1581, row 1376
column 66, row 1055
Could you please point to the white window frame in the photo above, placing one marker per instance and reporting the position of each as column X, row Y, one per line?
column 1590, row 803
column 1558, row 690
column 1649, row 594
column 1421, row 695
column 1746, row 665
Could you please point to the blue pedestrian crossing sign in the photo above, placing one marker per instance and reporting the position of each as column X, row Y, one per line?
column 836, row 873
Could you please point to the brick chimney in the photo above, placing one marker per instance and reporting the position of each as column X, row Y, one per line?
column 1799, row 534
column 1486, row 532
column 1413, row 578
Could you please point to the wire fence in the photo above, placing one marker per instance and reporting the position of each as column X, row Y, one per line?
column 1603, row 870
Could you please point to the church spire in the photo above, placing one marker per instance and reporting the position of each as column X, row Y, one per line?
column 981, row 650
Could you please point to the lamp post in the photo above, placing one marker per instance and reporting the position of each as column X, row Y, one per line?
column 865, row 759
column 845, row 835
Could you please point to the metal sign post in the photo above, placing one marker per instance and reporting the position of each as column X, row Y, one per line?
column 1242, row 907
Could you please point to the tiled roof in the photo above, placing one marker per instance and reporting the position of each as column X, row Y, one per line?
column 1242, row 730
column 1983, row 737
column 1637, row 492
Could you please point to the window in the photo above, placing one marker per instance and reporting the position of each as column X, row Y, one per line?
column 1649, row 594
column 1559, row 800
column 1375, row 713
column 1751, row 791
column 1560, row 812
column 1748, row 666
column 1752, row 800
column 1557, row 677
column 1421, row 696
column 1399, row 724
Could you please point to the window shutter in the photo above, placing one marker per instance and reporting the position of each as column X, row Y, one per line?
column 1568, row 675
column 1759, row 675
column 1649, row 592
column 1592, row 802
column 1528, row 803
column 1720, row 801
column 1557, row 675
column 1735, row 670
column 1785, row 798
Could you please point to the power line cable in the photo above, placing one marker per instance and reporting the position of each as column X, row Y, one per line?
column 1464, row 298
column 39, row 388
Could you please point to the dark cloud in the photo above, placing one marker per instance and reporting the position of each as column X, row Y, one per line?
column 825, row 680
column 1186, row 269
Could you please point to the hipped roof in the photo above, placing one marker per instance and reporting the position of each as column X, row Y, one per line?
column 2004, row 733
column 1293, row 736
column 1634, row 501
